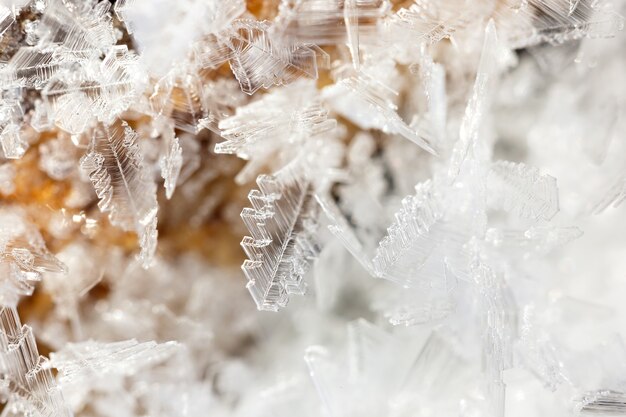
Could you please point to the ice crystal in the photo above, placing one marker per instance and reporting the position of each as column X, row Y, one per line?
column 524, row 190
column 261, row 59
column 469, row 153
column 262, row 130
column 31, row 67
column 534, row 21
column 377, row 96
column 602, row 402
column 126, row 192
column 30, row 384
column 75, row 97
column 282, row 223
column 413, row 235
column 328, row 22
column 78, row 363
column 24, row 256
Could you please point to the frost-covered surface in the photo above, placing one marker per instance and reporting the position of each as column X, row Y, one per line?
column 428, row 194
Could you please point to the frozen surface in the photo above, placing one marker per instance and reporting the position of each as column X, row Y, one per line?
column 428, row 195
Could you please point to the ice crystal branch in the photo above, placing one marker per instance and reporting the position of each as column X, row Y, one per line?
column 411, row 238
column 282, row 245
column 80, row 363
column 260, row 59
column 263, row 132
column 23, row 256
column 31, row 385
column 126, row 192
column 430, row 22
column 523, row 190
column 331, row 22
column 377, row 96
column 532, row 22
column 606, row 402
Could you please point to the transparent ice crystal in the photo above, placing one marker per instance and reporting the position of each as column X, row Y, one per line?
column 125, row 190
column 282, row 245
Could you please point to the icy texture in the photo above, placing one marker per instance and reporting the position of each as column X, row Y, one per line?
column 6, row 19
column 125, row 190
column 171, row 163
column 77, row 28
column 282, row 223
column 430, row 22
column 13, row 145
column 469, row 153
column 182, row 98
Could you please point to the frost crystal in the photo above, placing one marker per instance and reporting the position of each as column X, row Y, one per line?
column 24, row 256
column 31, row 387
column 261, row 59
column 441, row 182
column 282, row 223
column 531, row 22
column 78, row 363
column 262, row 131
column 126, row 192
column 524, row 190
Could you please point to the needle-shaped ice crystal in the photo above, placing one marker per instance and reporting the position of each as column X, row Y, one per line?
column 81, row 363
column 538, row 239
column 124, row 187
column 479, row 101
column 282, row 243
column 604, row 402
column 614, row 195
column 376, row 95
column 6, row 19
column 498, row 324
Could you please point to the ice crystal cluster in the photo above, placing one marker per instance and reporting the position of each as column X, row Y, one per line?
column 427, row 194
